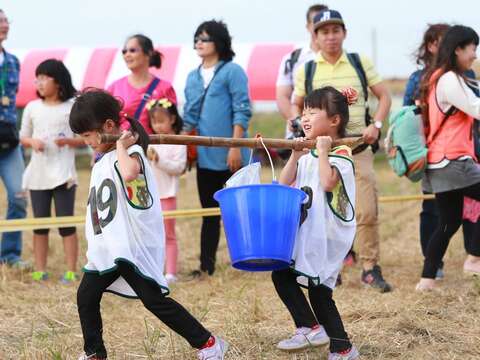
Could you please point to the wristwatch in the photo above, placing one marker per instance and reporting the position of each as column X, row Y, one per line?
column 378, row 124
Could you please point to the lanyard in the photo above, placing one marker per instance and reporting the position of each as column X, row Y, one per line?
column 3, row 75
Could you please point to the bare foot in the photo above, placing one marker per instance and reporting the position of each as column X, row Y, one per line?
column 426, row 285
column 472, row 265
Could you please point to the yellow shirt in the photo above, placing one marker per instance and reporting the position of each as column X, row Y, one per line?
column 341, row 75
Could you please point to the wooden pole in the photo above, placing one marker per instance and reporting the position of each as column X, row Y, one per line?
column 231, row 142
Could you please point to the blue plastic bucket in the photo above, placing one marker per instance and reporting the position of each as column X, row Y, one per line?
column 260, row 223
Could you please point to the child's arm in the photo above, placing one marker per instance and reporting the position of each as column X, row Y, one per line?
column 289, row 172
column 72, row 142
column 129, row 166
column 328, row 175
column 36, row 144
column 26, row 131
column 174, row 165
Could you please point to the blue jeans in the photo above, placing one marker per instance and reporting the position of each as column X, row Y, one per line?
column 11, row 172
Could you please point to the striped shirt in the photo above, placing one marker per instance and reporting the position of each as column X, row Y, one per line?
column 341, row 75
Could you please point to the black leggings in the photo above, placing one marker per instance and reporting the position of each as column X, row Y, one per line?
column 208, row 182
column 450, row 207
column 64, row 199
column 429, row 218
column 323, row 305
column 174, row 315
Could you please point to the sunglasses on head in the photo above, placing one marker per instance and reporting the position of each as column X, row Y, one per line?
column 203, row 39
column 130, row 50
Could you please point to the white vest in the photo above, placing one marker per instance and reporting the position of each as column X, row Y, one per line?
column 124, row 222
column 327, row 232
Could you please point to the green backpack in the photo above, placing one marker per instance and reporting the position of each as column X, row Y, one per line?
column 405, row 142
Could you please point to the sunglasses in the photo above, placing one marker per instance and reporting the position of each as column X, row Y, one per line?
column 203, row 39
column 130, row 50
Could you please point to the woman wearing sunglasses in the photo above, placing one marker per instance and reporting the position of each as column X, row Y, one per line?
column 140, row 85
column 217, row 104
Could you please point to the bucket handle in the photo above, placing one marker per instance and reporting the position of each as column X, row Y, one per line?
column 258, row 136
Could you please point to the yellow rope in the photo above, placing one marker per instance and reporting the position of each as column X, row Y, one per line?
column 66, row 221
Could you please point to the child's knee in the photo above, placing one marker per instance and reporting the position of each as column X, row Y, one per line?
column 85, row 296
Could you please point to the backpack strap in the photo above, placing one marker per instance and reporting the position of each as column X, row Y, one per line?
column 310, row 67
column 355, row 61
column 449, row 113
column 202, row 99
column 146, row 97
column 292, row 60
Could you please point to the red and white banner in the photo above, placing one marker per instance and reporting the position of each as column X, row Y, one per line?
column 101, row 66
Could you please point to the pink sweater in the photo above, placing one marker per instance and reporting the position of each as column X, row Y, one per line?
column 171, row 163
column 132, row 97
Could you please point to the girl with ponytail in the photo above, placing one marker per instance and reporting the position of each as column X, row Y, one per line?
column 141, row 84
column 327, row 225
column 124, row 229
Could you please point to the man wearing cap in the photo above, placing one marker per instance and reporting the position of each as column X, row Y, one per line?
column 290, row 64
column 334, row 67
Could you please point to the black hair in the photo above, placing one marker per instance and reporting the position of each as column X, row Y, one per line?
column 172, row 110
column 218, row 31
column 316, row 8
column 457, row 36
column 146, row 45
column 92, row 107
column 333, row 102
column 434, row 33
column 59, row 73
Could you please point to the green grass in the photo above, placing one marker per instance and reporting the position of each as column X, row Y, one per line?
column 269, row 125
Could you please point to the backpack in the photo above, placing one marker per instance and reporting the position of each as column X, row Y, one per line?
column 292, row 60
column 354, row 60
column 405, row 143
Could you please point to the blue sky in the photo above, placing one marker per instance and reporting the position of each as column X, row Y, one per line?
column 398, row 25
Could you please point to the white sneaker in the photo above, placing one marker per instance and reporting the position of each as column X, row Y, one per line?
column 303, row 338
column 215, row 352
column 351, row 355
column 171, row 278
column 89, row 357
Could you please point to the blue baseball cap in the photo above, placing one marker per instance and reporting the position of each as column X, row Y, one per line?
column 326, row 17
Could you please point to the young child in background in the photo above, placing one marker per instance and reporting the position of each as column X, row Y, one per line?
column 168, row 163
column 124, row 230
column 327, row 225
column 51, row 172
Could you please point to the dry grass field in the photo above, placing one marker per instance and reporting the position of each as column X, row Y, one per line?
column 40, row 321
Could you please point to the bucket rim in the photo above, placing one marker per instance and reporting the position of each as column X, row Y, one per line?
column 219, row 192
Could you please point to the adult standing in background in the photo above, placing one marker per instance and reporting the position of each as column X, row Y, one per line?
column 135, row 89
column 11, row 157
column 429, row 216
column 290, row 64
column 335, row 67
column 449, row 108
column 216, row 104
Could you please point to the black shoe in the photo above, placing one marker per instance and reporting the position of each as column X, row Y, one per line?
column 197, row 275
column 339, row 280
column 374, row 279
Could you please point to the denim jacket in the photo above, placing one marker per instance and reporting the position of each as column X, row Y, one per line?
column 226, row 104
column 9, row 113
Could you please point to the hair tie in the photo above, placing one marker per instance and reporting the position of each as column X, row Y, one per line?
column 351, row 95
column 124, row 123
